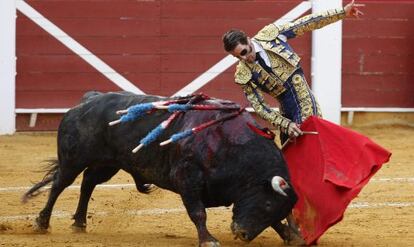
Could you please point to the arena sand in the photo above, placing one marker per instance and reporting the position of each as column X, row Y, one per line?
column 382, row 215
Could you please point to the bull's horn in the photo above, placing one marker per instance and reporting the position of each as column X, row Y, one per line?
column 279, row 185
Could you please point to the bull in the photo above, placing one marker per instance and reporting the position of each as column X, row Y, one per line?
column 225, row 164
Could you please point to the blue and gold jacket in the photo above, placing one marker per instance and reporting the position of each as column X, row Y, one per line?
column 284, row 64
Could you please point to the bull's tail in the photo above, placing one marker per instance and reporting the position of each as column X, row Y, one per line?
column 51, row 169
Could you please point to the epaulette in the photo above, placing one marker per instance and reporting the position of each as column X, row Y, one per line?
column 268, row 33
column 243, row 74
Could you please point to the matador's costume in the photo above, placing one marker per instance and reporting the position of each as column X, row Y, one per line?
column 284, row 78
column 342, row 161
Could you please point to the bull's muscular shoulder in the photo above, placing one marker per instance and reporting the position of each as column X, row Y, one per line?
column 268, row 33
column 243, row 74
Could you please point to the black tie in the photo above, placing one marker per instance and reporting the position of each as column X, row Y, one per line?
column 263, row 63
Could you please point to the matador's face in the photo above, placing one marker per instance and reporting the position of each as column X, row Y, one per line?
column 245, row 52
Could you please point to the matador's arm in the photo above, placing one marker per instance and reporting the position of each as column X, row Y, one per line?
column 255, row 97
column 311, row 22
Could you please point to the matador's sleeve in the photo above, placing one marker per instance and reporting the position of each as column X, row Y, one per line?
column 243, row 77
column 255, row 97
column 311, row 22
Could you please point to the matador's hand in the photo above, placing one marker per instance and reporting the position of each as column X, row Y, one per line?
column 351, row 9
column 293, row 130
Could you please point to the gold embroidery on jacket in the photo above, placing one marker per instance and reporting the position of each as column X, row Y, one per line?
column 300, row 26
column 283, row 54
column 304, row 97
column 313, row 21
column 280, row 67
column 269, row 83
column 255, row 97
column 283, row 62
column 268, row 33
column 243, row 73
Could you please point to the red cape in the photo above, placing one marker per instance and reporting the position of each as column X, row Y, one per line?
column 328, row 170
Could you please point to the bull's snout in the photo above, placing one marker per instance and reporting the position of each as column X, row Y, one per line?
column 238, row 232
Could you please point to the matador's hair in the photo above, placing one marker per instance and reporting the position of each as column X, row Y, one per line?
column 232, row 38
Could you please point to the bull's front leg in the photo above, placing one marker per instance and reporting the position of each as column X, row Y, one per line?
column 188, row 180
column 197, row 212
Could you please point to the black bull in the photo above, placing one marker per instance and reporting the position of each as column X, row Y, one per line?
column 225, row 164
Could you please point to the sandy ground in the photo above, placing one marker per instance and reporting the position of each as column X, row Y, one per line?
column 382, row 215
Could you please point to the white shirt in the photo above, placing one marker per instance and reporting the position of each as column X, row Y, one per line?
column 258, row 48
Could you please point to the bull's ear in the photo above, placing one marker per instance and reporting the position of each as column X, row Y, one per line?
column 279, row 185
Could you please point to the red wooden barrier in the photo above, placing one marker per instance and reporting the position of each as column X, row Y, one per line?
column 161, row 46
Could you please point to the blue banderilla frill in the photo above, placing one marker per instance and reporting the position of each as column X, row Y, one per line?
column 151, row 137
column 178, row 136
column 134, row 112
column 179, row 107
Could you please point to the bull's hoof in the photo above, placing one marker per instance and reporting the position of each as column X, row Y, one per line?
column 40, row 227
column 210, row 244
column 78, row 228
column 146, row 188
column 295, row 240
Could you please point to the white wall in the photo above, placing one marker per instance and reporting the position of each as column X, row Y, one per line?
column 327, row 63
column 7, row 66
